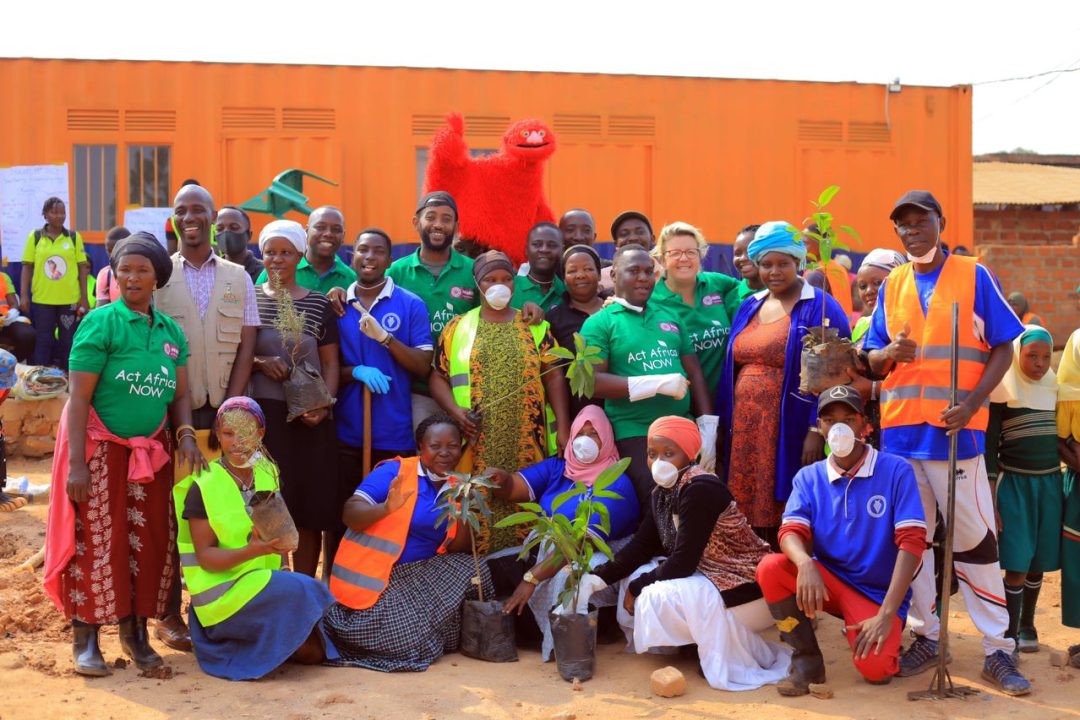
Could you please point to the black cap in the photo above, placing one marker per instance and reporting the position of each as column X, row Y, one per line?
column 629, row 215
column 920, row 199
column 437, row 198
column 841, row 393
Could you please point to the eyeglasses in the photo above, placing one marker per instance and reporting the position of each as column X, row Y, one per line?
column 681, row 254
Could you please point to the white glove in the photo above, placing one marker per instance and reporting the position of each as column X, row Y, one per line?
column 12, row 316
column 371, row 327
column 707, row 424
column 643, row 387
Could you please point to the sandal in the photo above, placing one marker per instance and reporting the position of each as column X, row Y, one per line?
column 8, row 503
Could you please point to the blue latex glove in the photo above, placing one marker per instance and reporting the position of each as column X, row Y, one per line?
column 376, row 380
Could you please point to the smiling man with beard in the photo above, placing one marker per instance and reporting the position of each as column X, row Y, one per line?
column 439, row 275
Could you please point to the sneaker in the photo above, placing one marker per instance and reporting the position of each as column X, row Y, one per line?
column 1000, row 669
column 920, row 656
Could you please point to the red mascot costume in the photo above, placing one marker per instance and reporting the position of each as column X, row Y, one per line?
column 499, row 197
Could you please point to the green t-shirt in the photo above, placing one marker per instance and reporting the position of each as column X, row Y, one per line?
column 339, row 275
column 525, row 290
column 56, row 267
column 708, row 321
column 648, row 343
column 135, row 364
column 450, row 294
column 745, row 291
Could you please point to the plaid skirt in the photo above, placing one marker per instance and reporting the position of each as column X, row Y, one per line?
column 415, row 621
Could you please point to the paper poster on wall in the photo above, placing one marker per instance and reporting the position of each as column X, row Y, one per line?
column 23, row 191
column 147, row 219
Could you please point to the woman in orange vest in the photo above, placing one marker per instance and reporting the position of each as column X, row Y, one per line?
column 400, row 576
column 1020, row 306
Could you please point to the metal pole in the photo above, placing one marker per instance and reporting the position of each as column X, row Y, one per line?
column 367, row 431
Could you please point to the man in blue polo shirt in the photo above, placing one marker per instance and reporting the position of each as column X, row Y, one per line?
column 385, row 343
column 852, row 535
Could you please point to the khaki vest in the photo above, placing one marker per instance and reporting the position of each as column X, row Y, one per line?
column 214, row 338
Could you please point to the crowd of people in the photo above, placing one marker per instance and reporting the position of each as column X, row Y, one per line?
column 207, row 380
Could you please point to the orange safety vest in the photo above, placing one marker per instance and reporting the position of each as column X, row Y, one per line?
column 918, row 392
column 4, row 307
column 364, row 559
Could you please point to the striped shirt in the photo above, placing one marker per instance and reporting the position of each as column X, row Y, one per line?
column 1021, row 440
column 200, row 281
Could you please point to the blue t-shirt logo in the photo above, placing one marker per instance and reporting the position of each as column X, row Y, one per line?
column 876, row 506
column 391, row 322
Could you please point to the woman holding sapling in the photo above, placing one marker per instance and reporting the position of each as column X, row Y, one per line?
column 400, row 575
column 247, row 617
column 702, row 590
column 298, row 331
column 591, row 451
column 493, row 374
column 758, row 399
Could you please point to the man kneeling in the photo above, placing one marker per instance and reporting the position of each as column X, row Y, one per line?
column 852, row 535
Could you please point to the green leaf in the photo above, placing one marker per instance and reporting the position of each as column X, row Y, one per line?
column 559, row 353
column 827, row 195
column 838, row 245
column 518, row 518
column 602, row 546
column 531, row 506
column 851, row 231
column 562, row 497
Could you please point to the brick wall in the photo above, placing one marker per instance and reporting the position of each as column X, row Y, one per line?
column 1046, row 274
column 1029, row 225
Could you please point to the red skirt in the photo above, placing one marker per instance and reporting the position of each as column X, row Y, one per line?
column 125, row 539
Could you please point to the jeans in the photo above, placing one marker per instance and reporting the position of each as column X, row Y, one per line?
column 54, row 326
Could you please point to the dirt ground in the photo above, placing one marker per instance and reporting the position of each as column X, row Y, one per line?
column 36, row 680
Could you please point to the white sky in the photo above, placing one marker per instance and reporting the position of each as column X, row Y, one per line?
column 939, row 42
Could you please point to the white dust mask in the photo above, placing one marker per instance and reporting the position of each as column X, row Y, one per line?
column 498, row 296
column 252, row 459
column 585, row 449
column 841, row 439
column 664, row 474
column 924, row 259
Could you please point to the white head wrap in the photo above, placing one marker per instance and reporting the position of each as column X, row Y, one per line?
column 885, row 259
column 288, row 229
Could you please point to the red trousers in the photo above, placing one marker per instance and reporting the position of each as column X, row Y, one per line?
column 777, row 575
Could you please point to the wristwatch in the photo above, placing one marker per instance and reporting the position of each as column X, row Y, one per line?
column 530, row 578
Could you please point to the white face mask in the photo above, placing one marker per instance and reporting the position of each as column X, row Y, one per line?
column 841, row 439
column 498, row 296
column 585, row 449
column 924, row 259
column 664, row 474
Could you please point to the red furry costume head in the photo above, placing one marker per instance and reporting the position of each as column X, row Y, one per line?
column 501, row 196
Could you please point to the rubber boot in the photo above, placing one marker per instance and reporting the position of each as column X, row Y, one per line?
column 1014, row 601
column 1027, row 639
column 86, row 651
column 135, row 642
column 807, row 664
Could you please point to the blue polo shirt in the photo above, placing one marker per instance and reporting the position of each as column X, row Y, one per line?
column 547, row 480
column 854, row 521
column 424, row 538
column 403, row 315
column 995, row 322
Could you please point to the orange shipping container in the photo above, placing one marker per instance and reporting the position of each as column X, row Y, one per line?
column 718, row 153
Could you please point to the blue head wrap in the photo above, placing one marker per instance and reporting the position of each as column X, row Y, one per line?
column 7, row 370
column 1034, row 333
column 777, row 236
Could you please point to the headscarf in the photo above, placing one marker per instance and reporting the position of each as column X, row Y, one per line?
column 680, row 431
column 1019, row 299
column 1017, row 389
column 242, row 402
column 575, row 249
column 884, row 259
column 777, row 236
column 1068, row 374
column 609, row 453
column 144, row 244
column 488, row 261
column 7, row 373
column 288, row 229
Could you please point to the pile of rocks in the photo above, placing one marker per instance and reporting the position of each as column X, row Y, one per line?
column 30, row 426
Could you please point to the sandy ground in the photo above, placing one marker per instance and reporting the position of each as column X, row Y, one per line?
column 36, row 680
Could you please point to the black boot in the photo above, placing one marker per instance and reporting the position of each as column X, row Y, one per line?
column 1014, row 602
column 807, row 664
column 135, row 642
column 86, row 651
column 1027, row 640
